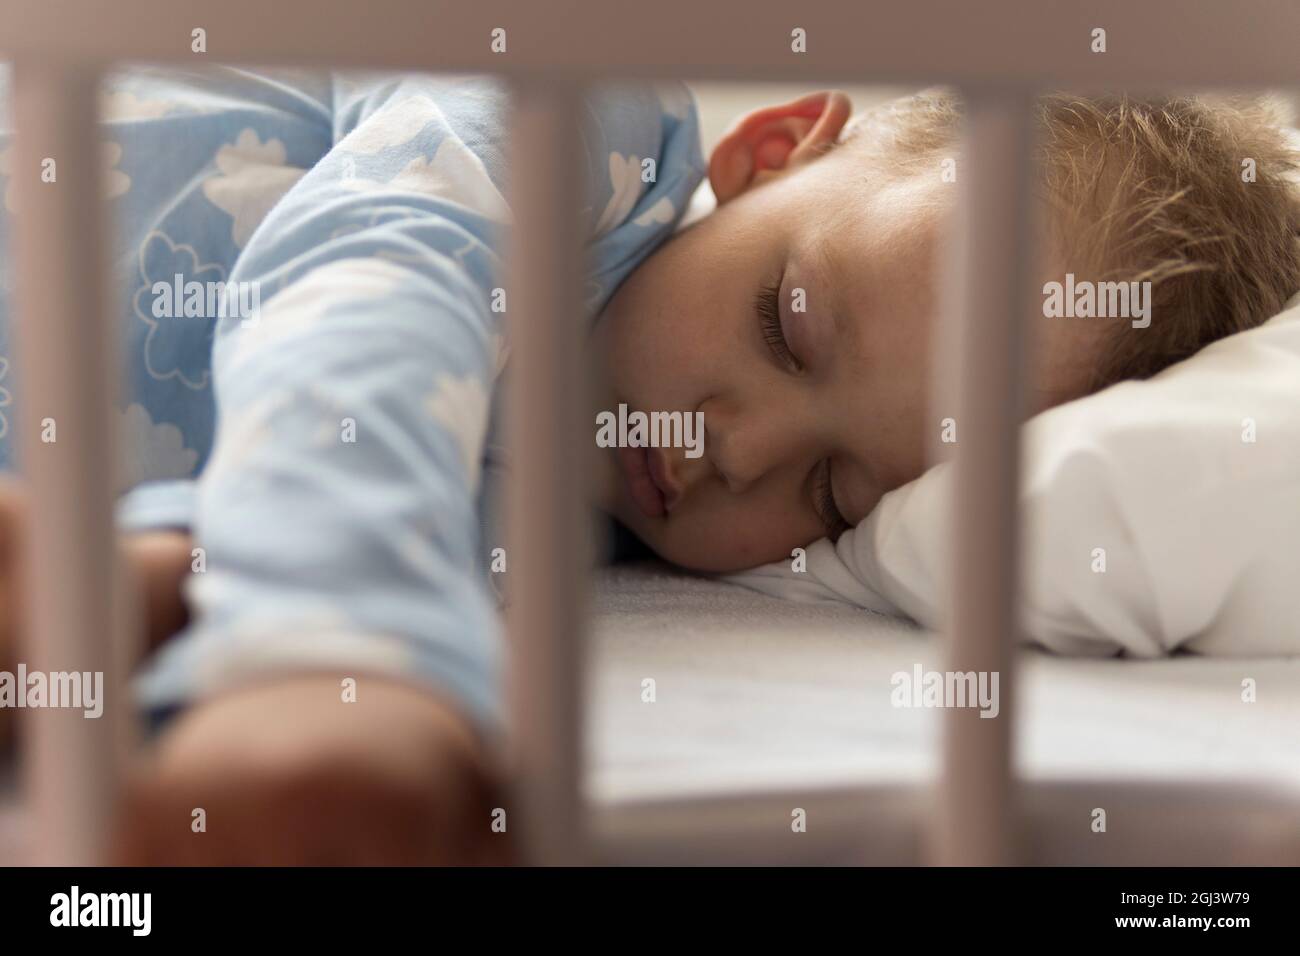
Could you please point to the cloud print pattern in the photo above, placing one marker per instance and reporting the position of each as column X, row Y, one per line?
column 348, row 507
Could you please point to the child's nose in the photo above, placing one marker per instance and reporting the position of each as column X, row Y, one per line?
column 741, row 446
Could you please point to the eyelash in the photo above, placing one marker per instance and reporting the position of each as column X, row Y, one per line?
column 826, row 507
column 769, row 317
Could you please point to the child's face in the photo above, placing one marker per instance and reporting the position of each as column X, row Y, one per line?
column 841, row 418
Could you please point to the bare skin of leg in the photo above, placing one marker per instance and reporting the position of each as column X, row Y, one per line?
column 286, row 772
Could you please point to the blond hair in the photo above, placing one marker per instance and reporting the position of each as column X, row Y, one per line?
column 1196, row 194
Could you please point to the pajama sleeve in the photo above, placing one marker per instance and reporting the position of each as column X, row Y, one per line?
column 337, row 515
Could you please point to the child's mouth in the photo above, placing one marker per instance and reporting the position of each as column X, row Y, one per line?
column 647, row 495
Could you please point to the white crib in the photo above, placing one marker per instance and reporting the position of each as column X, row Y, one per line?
column 998, row 53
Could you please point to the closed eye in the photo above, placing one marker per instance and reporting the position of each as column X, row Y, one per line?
column 769, row 317
column 824, row 502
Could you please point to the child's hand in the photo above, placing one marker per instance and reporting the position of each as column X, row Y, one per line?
column 288, row 773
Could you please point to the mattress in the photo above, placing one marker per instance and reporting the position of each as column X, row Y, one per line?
column 758, row 695
column 754, row 692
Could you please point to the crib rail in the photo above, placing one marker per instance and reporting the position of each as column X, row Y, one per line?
column 998, row 54
column 1012, row 43
column 546, row 521
column 65, row 337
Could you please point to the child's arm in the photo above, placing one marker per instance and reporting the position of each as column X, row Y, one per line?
column 341, row 671
column 338, row 510
column 284, row 774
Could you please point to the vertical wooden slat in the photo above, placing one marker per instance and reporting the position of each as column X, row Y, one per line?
column 989, row 281
column 66, row 368
column 550, row 450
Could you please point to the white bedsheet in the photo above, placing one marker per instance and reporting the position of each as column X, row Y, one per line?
column 753, row 691
column 756, row 692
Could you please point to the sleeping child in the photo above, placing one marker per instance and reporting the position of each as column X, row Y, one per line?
column 314, row 457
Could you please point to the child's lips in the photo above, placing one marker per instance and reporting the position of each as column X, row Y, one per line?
column 643, row 470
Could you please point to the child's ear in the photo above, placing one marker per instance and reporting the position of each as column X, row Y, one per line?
column 775, row 138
